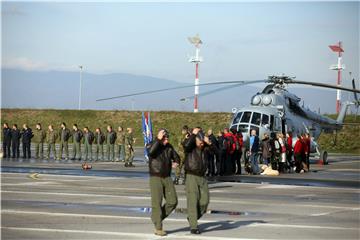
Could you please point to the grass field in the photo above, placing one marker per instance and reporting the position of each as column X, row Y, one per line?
column 347, row 139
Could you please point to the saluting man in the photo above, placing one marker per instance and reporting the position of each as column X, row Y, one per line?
column 161, row 156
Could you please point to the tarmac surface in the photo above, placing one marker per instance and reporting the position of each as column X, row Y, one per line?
column 58, row 200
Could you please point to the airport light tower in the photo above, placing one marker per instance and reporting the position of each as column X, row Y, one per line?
column 338, row 67
column 196, row 41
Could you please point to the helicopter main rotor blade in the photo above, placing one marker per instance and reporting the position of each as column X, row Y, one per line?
column 180, row 87
column 220, row 89
column 324, row 85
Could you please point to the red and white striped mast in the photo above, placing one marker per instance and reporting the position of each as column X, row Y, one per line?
column 338, row 67
column 196, row 59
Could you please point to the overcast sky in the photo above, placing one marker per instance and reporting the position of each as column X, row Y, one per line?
column 242, row 41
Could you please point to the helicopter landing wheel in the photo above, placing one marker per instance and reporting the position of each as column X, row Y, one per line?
column 323, row 157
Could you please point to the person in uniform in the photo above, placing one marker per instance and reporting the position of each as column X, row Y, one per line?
column 161, row 155
column 120, row 143
column 110, row 143
column 6, row 140
column 197, row 148
column 180, row 151
column 129, row 149
column 39, row 139
column 88, row 140
column 51, row 138
column 99, row 141
column 15, row 141
column 26, row 135
column 77, row 137
column 64, row 135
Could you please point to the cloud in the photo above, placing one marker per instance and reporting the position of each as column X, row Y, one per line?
column 24, row 64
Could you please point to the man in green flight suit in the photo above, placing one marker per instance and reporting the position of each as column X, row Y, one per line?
column 99, row 141
column 39, row 139
column 162, row 157
column 110, row 143
column 129, row 149
column 88, row 140
column 51, row 137
column 64, row 135
column 180, row 150
column 120, row 143
column 198, row 149
column 77, row 136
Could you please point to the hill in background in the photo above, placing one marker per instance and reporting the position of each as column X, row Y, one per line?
column 347, row 139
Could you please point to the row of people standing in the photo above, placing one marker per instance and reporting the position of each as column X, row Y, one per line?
column 103, row 149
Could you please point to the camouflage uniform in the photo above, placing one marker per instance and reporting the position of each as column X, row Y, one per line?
column 120, row 143
column 180, row 151
column 39, row 139
column 129, row 150
column 64, row 135
column 51, row 137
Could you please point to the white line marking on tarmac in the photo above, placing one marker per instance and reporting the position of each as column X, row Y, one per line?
column 122, row 234
column 10, row 211
column 213, row 200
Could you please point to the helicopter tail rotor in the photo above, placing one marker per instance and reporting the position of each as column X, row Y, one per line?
column 357, row 102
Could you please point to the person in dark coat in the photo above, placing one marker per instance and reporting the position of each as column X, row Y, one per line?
column 26, row 135
column 198, row 148
column 221, row 154
column 265, row 149
column 15, row 141
column 211, row 162
column 6, row 140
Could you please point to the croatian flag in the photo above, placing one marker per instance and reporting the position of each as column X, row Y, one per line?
column 147, row 131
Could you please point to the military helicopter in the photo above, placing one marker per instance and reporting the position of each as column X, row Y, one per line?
column 277, row 110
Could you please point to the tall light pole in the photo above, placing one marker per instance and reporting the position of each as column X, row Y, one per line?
column 81, row 68
column 196, row 41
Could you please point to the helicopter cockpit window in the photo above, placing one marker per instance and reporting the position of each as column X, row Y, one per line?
column 256, row 117
column 237, row 118
column 265, row 119
column 246, row 117
column 243, row 128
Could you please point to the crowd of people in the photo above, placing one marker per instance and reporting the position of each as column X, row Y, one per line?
column 276, row 152
column 110, row 145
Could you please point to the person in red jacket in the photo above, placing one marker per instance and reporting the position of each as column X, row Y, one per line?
column 289, row 151
column 230, row 149
column 298, row 153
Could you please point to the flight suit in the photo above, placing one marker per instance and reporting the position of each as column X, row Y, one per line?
column 88, row 140
column 64, row 135
column 99, row 140
column 51, row 137
column 6, row 138
column 129, row 150
column 39, row 139
column 120, row 142
column 181, row 153
column 110, row 145
column 77, row 136
column 15, row 142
